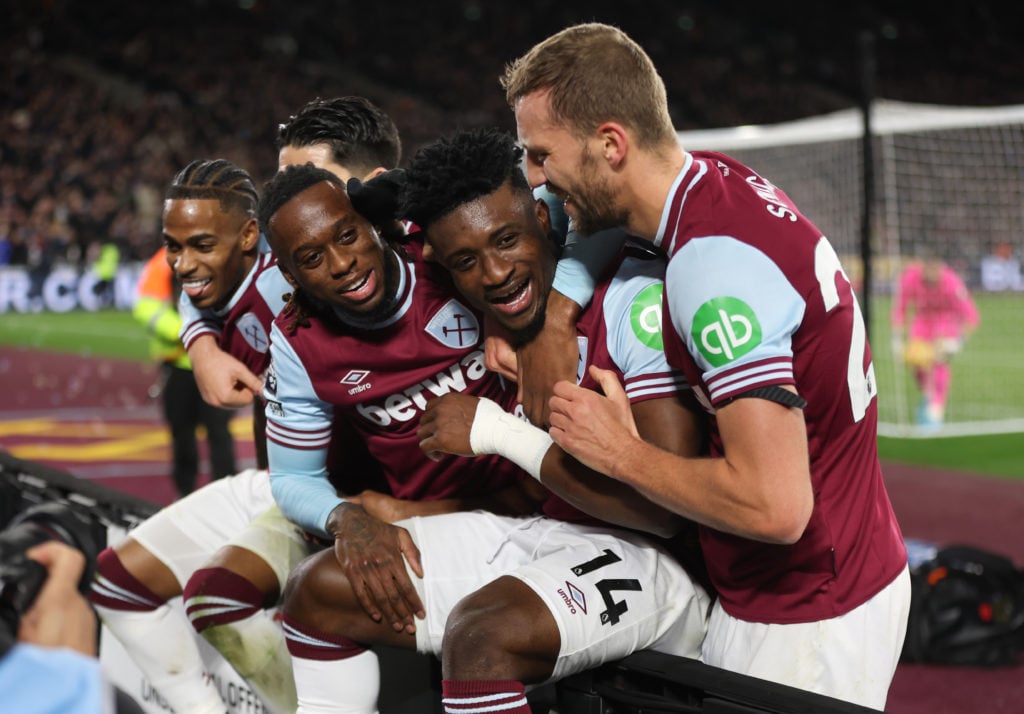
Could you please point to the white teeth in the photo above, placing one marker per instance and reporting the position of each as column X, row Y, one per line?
column 195, row 283
column 360, row 284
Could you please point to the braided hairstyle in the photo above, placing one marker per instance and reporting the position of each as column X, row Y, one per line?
column 362, row 137
column 217, row 179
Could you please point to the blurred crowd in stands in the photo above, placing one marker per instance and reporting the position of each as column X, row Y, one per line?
column 102, row 102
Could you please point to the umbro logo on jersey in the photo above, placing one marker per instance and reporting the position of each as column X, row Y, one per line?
column 354, row 376
column 573, row 598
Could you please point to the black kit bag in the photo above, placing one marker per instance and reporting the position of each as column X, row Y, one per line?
column 966, row 608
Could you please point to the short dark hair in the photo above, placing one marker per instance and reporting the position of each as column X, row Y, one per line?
column 285, row 185
column 361, row 135
column 217, row 179
column 457, row 169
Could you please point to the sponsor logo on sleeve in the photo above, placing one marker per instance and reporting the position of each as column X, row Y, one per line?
column 645, row 316
column 724, row 329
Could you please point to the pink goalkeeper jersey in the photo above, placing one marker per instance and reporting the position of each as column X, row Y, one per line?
column 940, row 309
column 757, row 297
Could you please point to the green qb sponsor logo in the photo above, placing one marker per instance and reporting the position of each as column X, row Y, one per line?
column 645, row 316
column 725, row 328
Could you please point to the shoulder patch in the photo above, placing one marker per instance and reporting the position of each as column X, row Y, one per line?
column 252, row 330
column 645, row 316
column 454, row 326
column 724, row 329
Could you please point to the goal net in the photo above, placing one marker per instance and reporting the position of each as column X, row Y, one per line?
column 949, row 185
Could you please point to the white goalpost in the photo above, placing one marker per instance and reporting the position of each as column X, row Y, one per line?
column 949, row 183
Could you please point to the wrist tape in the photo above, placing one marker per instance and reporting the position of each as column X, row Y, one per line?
column 495, row 431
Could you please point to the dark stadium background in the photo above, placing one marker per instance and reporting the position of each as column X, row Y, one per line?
column 103, row 101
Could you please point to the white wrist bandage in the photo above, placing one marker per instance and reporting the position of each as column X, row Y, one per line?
column 495, row 431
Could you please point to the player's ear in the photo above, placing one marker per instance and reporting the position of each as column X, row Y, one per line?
column 614, row 142
column 543, row 214
column 250, row 235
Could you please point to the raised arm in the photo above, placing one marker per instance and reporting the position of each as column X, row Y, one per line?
column 552, row 355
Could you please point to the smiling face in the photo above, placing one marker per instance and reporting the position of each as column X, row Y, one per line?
column 567, row 165
column 332, row 253
column 210, row 249
column 498, row 252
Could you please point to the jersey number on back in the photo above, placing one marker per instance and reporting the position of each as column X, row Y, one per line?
column 860, row 382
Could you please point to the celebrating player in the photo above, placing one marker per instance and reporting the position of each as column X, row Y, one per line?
column 475, row 206
column 228, row 544
column 396, row 331
column 797, row 529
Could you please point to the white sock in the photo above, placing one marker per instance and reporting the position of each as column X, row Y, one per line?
column 255, row 647
column 162, row 644
column 340, row 686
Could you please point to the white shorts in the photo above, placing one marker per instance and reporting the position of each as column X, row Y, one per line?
column 851, row 657
column 572, row 568
column 236, row 510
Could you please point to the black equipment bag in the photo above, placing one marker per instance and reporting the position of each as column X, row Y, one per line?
column 966, row 608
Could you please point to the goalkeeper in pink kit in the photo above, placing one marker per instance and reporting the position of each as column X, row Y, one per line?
column 943, row 315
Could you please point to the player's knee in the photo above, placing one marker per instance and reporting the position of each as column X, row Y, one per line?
column 218, row 596
column 116, row 589
column 318, row 593
column 480, row 643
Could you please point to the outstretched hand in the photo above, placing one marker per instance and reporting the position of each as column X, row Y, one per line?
column 594, row 428
column 372, row 555
column 224, row 381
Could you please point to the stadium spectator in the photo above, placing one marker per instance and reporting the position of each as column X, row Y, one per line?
column 99, row 106
column 796, row 526
column 1000, row 269
column 941, row 315
column 183, row 407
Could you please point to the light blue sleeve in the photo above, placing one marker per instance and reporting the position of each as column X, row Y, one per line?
column 191, row 317
column 633, row 323
column 298, row 480
column 298, row 435
column 584, row 260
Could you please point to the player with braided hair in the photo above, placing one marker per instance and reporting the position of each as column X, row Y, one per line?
column 231, row 292
column 227, row 540
column 349, row 136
